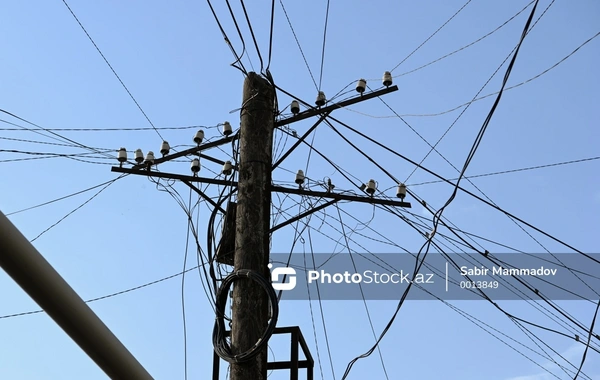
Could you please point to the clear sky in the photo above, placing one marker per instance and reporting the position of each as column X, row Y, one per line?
column 172, row 58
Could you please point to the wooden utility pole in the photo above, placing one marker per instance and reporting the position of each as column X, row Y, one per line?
column 250, row 315
column 250, row 303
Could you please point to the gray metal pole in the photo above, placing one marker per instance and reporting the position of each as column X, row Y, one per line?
column 38, row 278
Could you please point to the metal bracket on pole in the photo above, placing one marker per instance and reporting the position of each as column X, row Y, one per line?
column 294, row 364
column 300, row 140
column 193, row 150
column 278, row 189
column 303, row 215
column 204, row 196
column 316, row 111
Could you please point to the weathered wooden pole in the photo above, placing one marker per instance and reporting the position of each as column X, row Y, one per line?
column 250, row 302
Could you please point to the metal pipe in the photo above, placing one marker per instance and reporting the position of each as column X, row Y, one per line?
column 29, row 269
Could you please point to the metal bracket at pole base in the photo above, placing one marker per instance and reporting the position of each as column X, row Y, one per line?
column 294, row 364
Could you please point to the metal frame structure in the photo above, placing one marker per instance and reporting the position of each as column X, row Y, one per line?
column 294, row 364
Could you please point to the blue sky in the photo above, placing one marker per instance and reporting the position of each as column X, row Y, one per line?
column 172, row 58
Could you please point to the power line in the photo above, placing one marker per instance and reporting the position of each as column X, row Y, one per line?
column 468, row 45
column 106, row 296
column 60, row 199
column 438, row 176
column 111, row 68
column 237, row 27
column 431, row 36
column 185, row 257
column 78, row 207
column 591, row 333
column 56, row 135
column 479, row 137
column 345, row 235
column 113, row 129
column 515, row 50
column 513, row 170
column 228, row 42
column 476, row 98
column 42, row 142
column 298, row 44
column 455, row 168
column 252, row 34
column 323, row 49
column 271, row 33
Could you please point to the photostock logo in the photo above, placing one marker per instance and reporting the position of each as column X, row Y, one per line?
column 291, row 274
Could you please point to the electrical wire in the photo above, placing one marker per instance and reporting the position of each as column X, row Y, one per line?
column 298, row 44
column 78, row 207
column 462, row 188
column 321, row 310
column 271, row 33
column 513, row 170
column 111, row 295
column 220, row 344
column 129, row 129
column 591, row 333
column 252, row 34
column 112, row 69
column 433, row 148
column 431, row 36
column 54, row 136
column 228, row 42
column 210, row 292
column 515, row 50
column 312, row 317
column 42, row 142
column 237, row 27
column 185, row 256
column 347, row 234
column 481, row 97
column 468, row 45
column 479, row 137
column 323, row 49
column 60, row 198
column 361, row 291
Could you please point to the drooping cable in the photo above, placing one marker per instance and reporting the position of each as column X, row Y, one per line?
column 228, row 42
column 253, row 36
column 431, row 36
column 479, row 137
column 112, row 69
column 323, row 49
column 298, row 44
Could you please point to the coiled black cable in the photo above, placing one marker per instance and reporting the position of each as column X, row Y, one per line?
column 220, row 344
